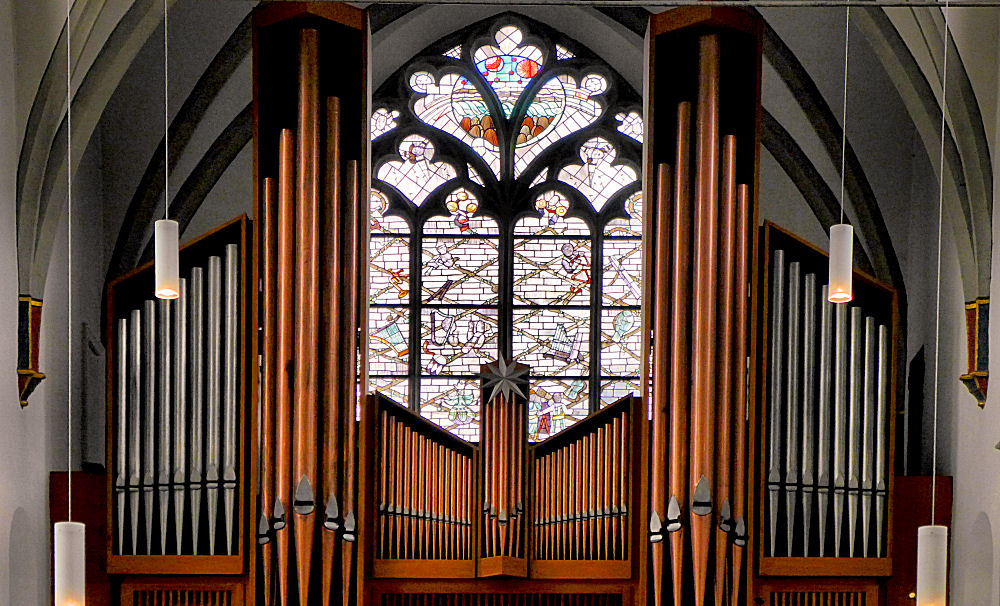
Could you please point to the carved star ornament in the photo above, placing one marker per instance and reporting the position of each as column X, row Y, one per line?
column 506, row 378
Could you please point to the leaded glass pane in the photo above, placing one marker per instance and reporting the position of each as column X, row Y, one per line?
column 631, row 227
column 598, row 177
column 622, row 272
column 554, row 405
column 454, row 53
column 388, row 336
column 381, row 222
column 453, row 404
column 621, row 342
column 561, row 107
column 383, row 120
column 417, row 175
column 395, row 388
column 553, row 342
column 389, row 269
column 551, row 271
column 460, row 271
column 631, row 125
column 614, row 390
column 457, row 341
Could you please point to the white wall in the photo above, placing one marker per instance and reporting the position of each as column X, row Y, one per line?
column 23, row 433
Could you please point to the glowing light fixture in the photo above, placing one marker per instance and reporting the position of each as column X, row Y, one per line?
column 932, row 540
column 842, row 234
column 165, row 237
column 69, row 557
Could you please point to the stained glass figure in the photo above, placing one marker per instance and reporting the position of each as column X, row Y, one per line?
column 383, row 120
column 631, row 124
column 598, row 177
column 417, row 175
column 470, row 260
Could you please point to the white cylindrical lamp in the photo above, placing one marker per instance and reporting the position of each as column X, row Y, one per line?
column 932, row 565
column 167, row 259
column 69, row 564
column 841, row 263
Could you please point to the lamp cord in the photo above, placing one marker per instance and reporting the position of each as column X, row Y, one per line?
column 843, row 134
column 69, row 271
column 937, row 322
column 166, row 121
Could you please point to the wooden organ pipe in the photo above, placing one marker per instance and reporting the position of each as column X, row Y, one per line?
column 727, row 259
column 285, row 329
column 679, row 353
column 269, row 242
column 331, row 343
column 661, row 378
column 741, row 397
column 306, row 309
column 703, row 302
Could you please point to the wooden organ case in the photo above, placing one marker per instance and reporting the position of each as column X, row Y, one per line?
column 179, row 407
column 824, row 429
column 503, row 521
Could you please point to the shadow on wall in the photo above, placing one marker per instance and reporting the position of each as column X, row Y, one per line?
column 23, row 574
column 978, row 557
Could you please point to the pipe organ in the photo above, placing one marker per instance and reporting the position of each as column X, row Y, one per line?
column 177, row 405
column 825, row 429
column 454, row 522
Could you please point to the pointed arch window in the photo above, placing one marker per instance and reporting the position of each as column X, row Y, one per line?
column 506, row 218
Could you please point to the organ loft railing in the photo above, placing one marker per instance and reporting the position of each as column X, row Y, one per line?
column 451, row 517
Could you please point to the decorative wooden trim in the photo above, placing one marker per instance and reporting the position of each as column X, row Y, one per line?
column 977, row 331
column 29, row 326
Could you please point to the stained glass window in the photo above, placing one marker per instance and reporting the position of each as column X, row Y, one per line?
column 506, row 218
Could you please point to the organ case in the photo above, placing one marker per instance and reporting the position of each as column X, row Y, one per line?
column 825, row 422
column 179, row 393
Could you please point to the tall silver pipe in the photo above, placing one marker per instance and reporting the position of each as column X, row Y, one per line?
column 180, row 409
column 230, row 392
column 134, row 423
column 164, row 446
column 868, row 432
column 882, row 440
column 793, row 395
column 196, row 461
column 121, row 429
column 854, row 425
column 840, row 387
column 149, row 419
column 213, row 429
column 825, row 445
column 808, row 407
column 774, row 412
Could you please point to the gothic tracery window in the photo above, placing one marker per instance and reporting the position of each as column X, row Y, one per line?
column 506, row 218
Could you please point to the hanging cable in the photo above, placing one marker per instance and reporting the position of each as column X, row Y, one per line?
column 937, row 311
column 166, row 118
column 843, row 123
column 69, row 270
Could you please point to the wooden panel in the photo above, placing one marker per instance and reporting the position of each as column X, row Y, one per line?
column 819, row 592
column 146, row 591
column 89, row 507
column 915, row 491
column 500, row 599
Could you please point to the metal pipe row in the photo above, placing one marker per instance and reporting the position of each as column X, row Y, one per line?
column 171, row 426
column 581, row 495
column 827, row 421
column 424, row 495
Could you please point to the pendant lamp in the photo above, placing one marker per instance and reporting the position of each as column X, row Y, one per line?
column 932, row 540
column 842, row 234
column 165, row 235
column 69, row 559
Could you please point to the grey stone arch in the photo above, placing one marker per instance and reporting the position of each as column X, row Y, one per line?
column 968, row 185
